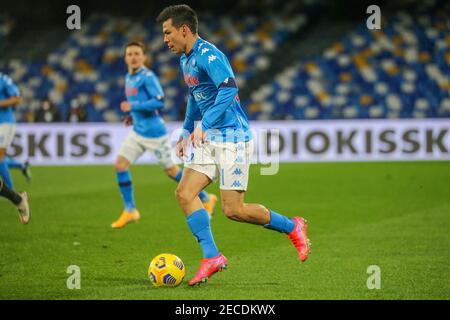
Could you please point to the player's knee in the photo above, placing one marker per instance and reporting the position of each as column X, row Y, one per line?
column 121, row 165
column 183, row 195
column 172, row 172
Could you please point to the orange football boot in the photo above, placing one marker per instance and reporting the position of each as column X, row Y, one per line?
column 210, row 204
column 125, row 218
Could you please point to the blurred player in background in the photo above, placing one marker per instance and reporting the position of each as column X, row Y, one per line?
column 20, row 200
column 9, row 98
column 222, row 143
column 23, row 167
column 144, row 98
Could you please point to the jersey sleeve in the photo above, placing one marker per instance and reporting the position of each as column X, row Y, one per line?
column 154, row 90
column 219, row 71
column 217, row 67
column 11, row 89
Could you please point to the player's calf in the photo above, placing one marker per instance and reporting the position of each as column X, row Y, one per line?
column 234, row 212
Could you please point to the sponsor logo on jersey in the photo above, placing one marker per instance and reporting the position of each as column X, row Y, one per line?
column 191, row 80
column 131, row 91
column 198, row 96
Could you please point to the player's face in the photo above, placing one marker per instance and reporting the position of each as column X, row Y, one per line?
column 134, row 57
column 174, row 38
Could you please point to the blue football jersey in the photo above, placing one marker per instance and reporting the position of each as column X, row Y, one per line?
column 213, row 95
column 146, row 96
column 7, row 90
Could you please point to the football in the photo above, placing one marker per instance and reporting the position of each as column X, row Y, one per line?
column 166, row 270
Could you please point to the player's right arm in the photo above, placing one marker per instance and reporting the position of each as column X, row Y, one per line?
column 156, row 100
column 12, row 92
column 192, row 114
column 12, row 101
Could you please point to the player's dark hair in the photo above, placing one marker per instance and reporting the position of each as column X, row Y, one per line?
column 135, row 44
column 180, row 14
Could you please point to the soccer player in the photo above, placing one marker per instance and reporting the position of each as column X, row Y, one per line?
column 23, row 167
column 222, row 143
column 20, row 200
column 9, row 98
column 144, row 98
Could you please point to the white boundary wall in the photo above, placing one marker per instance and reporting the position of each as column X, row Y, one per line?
column 297, row 141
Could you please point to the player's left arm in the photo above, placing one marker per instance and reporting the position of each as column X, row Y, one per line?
column 154, row 89
column 12, row 92
column 219, row 70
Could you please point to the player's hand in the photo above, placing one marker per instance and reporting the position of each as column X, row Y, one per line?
column 125, row 106
column 198, row 137
column 181, row 147
column 127, row 120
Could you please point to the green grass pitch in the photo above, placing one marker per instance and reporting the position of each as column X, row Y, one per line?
column 393, row 215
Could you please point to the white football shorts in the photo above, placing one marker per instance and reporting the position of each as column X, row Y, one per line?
column 7, row 131
column 227, row 162
column 135, row 145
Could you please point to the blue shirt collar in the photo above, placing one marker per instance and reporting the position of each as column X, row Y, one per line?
column 138, row 72
column 195, row 46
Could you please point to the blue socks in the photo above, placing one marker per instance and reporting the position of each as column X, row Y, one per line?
column 4, row 172
column 179, row 175
column 202, row 195
column 200, row 227
column 126, row 189
column 13, row 164
column 280, row 223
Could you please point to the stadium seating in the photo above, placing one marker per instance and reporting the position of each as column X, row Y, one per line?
column 401, row 71
column 89, row 66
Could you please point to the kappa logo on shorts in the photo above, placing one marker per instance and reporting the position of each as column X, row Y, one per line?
column 239, row 159
column 236, row 184
column 238, row 172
